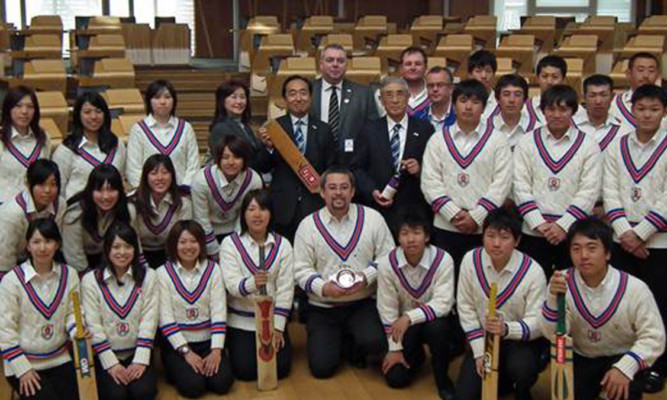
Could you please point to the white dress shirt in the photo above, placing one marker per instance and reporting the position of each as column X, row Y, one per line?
column 15, row 158
column 402, row 132
column 325, row 97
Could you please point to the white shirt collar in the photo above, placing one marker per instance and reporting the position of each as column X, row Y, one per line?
column 296, row 119
column 569, row 134
column 29, row 272
column 329, row 218
column 448, row 111
column 152, row 122
column 16, row 134
column 425, row 262
column 199, row 266
column 657, row 137
column 456, row 129
column 126, row 278
column 391, row 123
column 166, row 199
column 582, row 119
column 326, row 85
column 270, row 239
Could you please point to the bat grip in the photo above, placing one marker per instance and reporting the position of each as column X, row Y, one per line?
column 262, row 268
column 560, row 325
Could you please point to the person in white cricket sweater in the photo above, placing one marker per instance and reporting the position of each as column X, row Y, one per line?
column 549, row 72
column 643, row 69
column 614, row 322
column 218, row 190
column 193, row 315
column 512, row 117
column 557, row 178
column 40, row 199
column 521, row 287
column 37, row 319
column 160, row 203
column 90, row 143
column 482, row 67
column 415, row 295
column 22, row 140
column 341, row 312
column 120, row 301
column 636, row 202
column 466, row 172
column 243, row 277
column 164, row 133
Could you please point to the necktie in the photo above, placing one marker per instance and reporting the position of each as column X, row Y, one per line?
column 395, row 145
column 334, row 114
column 298, row 137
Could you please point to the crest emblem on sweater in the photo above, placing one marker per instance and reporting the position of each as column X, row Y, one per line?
column 192, row 313
column 554, row 184
column 463, row 179
column 122, row 328
column 594, row 336
column 47, row 331
column 636, row 194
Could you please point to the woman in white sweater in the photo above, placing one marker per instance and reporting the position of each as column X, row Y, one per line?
column 120, row 299
column 245, row 276
column 37, row 319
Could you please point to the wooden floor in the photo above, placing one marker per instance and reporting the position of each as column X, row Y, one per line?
column 348, row 384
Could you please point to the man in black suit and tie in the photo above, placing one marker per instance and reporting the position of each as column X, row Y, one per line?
column 344, row 105
column 291, row 200
column 392, row 146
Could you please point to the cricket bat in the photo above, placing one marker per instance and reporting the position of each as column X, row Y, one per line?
column 267, row 372
column 562, row 377
column 83, row 355
column 491, row 354
column 293, row 157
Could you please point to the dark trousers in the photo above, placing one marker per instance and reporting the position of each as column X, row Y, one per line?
column 653, row 272
column 58, row 383
column 242, row 351
column 327, row 328
column 155, row 258
column 144, row 388
column 518, row 369
column 189, row 383
column 546, row 254
column 588, row 373
column 435, row 335
column 301, row 210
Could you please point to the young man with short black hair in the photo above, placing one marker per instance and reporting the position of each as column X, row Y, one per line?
column 643, row 69
column 511, row 117
column 557, row 178
column 482, row 67
column 521, row 287
column 635, row 199
column 550, row 71
column 415, row 295
column 612, row 317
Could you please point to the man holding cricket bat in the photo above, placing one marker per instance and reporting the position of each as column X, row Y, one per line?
column 612, row 317
column 520, row 285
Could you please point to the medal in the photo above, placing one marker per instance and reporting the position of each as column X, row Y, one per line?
column 554, row 184
column 636, row 194
column 47, row 332
column 463, row 179
column 192, row 313
column 122, row 328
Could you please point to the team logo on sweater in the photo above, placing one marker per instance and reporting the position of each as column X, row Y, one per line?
column 594, row 336
column 192, row 313
column 463, row 179
column 554, row 184
column 636, row 194
column 122, row 328
column 47, row 331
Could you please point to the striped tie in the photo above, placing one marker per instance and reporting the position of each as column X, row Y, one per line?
column 298, row 137
column 395, row 144
column 334, row 114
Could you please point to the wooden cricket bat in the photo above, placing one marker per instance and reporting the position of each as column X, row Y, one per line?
column 562, row 376
column 83, row 355
column 293, row 157
column 491, row 354
column 267, row 372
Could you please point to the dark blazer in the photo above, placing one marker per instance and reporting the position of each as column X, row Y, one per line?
column 286, row 188
column 373, row 167
column 231, row 127
column 356, row 108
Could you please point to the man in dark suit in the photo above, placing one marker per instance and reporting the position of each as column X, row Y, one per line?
column 344, row 105
column 390, row 145
column 291, row 200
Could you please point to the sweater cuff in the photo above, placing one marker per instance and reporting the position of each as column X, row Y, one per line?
column 566, row 221
column 279, row 322
column 645, row 229
column 371, row 273
column 478, row 214
column 394, row 346
column 534, row 219
column 477, row 347
column 421, row 314
column 218, row 341
column 247, row 286
column 314, row 285
column 517, row 330
column 142, row 356
column 21, row 365
column 630, row 364
column 107, row 358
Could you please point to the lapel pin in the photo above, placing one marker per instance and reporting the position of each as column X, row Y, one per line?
column 346, row 100
column 415, row 134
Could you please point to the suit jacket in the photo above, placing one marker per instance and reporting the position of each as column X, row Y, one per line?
column 357, row 106
column 286, row 188
column 373, row 166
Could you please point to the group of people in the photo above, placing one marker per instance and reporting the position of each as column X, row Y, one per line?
column 430, row 192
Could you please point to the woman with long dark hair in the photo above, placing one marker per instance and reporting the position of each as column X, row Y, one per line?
column 218, row 189
column 160, row 202
column 22, row 140
column 123, row 336
column 193, row 315
column 40, row 199
column 35, row 318
column 89, row 144
column 90, row 213
column 164, row 133
column 243, row 278
column 232, row 117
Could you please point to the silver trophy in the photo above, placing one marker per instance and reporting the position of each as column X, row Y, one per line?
column 346, row 277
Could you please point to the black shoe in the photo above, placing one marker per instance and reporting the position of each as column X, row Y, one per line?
column 653, row 382
column 358, row 362
column 447, row 392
